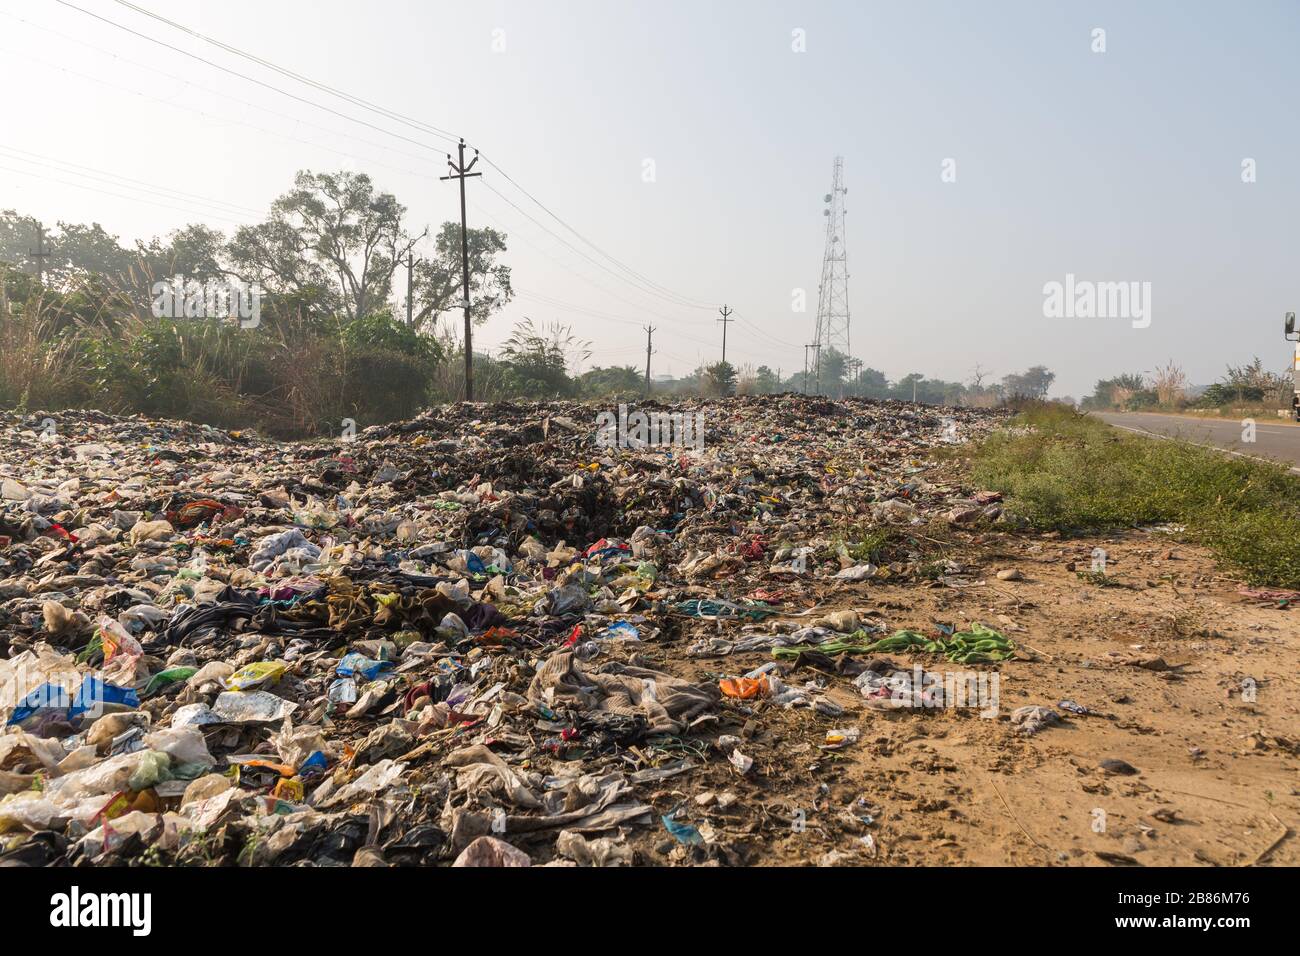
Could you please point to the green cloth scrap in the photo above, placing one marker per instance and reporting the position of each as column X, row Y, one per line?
column 846, row 645
column 979, row 645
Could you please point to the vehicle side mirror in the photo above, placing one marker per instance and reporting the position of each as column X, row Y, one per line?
column 1290, row 323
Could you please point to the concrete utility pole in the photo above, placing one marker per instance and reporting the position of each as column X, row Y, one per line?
column 726, row 318
column 649, row 333
column 40, row 255
column 462, row 172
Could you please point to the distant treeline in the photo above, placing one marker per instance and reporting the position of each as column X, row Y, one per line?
column 332, row 339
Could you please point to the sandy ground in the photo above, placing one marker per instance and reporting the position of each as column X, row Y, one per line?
column 1216, row 775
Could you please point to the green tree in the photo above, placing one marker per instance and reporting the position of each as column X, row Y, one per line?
column 1109, row 392
column 615, row 380
column 17, row 236
column 718, row 380
column 832, row 371
column 871, row 383
column 765, row 381
column 439, row 280
column 1032, row 383
column 195, row 252
column 78, row 251
column 907, row 387
column 332, row 230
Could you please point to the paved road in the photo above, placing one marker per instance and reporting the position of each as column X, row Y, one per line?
column 1273, row 439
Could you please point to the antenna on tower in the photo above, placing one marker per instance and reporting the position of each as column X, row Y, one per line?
column 833, row 292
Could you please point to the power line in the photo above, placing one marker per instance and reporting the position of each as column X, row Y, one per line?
column 557, row 303
column 758, row 330
column 284, row 71
column 245, row 76
column 515, row 206
column 552, row 302
column 546, row 300
column 227, row 119
column 654, row 288
column 562, row 265
column 649, row 286
column 126, row 180
column 685, row 301
column 105, row 192
column 206, row 89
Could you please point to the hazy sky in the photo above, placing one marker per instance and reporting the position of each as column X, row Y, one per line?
column 1123, row 165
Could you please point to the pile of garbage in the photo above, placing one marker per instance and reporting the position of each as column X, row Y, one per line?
column 481, row 637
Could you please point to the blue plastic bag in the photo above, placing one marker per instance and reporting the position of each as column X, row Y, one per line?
column 46, row 697
column 358, row 665
column 94, row 693
column 682, row 832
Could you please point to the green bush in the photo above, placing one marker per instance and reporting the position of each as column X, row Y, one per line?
column 385, row 385
column 383, row 332
column 1070, row 472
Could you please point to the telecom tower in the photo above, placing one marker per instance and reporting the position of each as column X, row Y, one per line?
column 833, row 293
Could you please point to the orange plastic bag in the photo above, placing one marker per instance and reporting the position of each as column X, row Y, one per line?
column 745, row 688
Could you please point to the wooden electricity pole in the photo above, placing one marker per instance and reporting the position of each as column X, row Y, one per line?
column 462, row 172
column 40, row 255
column 649, row 333
column 726, row 318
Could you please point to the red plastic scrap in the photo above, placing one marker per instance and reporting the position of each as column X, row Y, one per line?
column 62, row 532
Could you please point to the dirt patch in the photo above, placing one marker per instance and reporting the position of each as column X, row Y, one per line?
column 1215, row 780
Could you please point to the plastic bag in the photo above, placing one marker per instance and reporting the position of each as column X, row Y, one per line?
column 29, row 810
column 745, row 688
column 252, row 676
column 251, row 707
column 358, row 665
column 184, row 745
column 115, row 640
column 154, row 767
column 94, row 694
